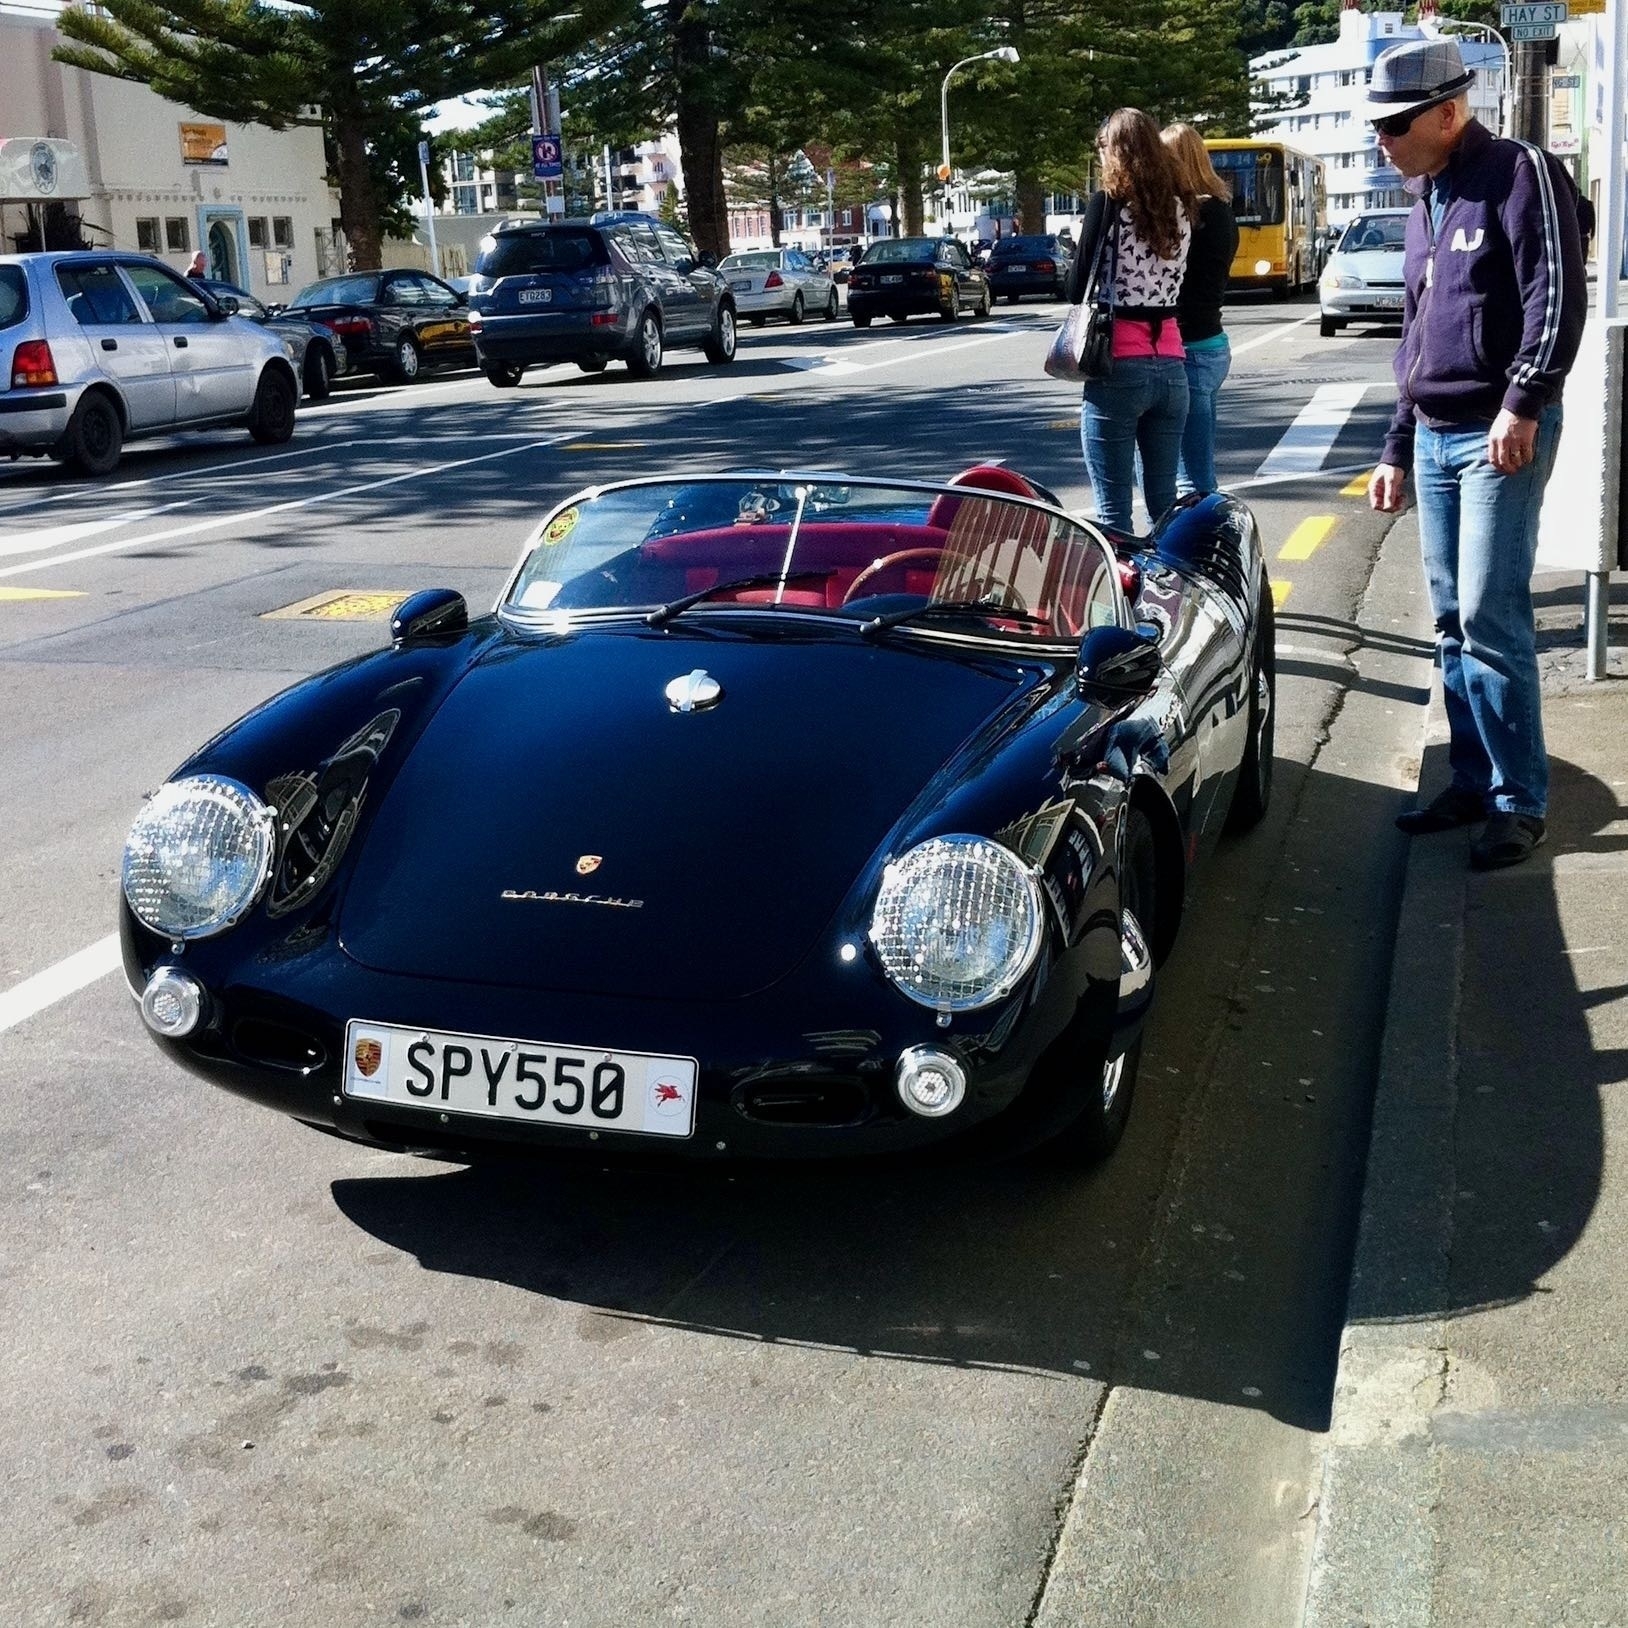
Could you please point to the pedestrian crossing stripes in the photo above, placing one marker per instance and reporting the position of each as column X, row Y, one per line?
column 1306, row 444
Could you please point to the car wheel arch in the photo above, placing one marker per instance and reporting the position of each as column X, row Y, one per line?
column 1152, row 802
column 110, row 393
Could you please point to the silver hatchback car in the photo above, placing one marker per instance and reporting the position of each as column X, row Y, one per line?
column 99, row 347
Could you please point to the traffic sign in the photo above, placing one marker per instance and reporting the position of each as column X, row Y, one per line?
column 1541, row 11
column 545, row 158
column 1586, row 8
column 1531, row 31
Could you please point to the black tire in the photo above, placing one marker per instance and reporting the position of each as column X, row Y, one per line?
column 271, row 418
column 720, row 346
column 1329, row 326
column 593, row 364
column 94, row 437
column 644, row 360
column 798, row 310
column 831, row 305
column 408, row 361
column 948, row 313
column 860, row 322
column 986, row 303
column 505, row 375
column 319, row 372
column 1254, row 790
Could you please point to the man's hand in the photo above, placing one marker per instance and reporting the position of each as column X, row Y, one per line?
column 1512, row 443
column 1385, row 488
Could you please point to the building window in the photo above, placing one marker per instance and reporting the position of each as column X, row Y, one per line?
column 257, row 232
column 282, row 231
column 147, row 239
column 177, row 237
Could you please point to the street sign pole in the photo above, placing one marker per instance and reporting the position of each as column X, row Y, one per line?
column 429, row 205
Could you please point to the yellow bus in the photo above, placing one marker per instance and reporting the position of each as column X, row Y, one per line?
column 1281, row 207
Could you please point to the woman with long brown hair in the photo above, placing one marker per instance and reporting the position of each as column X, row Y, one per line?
column 1198, row 308
column 1142, row 219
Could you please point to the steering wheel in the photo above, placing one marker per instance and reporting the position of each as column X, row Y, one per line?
column 877, row 567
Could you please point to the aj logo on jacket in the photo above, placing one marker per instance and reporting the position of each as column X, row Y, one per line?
column 1467, row 245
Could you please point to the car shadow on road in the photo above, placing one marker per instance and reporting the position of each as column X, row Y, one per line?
column 1208, row 1259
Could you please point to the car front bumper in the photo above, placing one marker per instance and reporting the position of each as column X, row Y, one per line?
column 1381, row 304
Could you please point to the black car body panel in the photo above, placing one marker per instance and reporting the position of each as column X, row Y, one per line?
column 1028, row 265
column 504, row 831
column 375, row 313
column 909, row 276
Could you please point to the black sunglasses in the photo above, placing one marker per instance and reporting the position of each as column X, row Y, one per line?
column 1398, row 124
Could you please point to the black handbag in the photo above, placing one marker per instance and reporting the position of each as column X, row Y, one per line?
column 1083, row 347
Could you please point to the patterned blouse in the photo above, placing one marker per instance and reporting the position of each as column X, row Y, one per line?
column 1143, row 278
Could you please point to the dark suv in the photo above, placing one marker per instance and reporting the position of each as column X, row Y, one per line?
column 587, row 291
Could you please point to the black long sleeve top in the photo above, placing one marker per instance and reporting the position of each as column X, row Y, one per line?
column 1209, row 263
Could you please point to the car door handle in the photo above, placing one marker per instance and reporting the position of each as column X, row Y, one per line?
column 110, row 344
column 180, row 342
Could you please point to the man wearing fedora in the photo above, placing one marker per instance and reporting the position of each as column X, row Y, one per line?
column 1494, row 308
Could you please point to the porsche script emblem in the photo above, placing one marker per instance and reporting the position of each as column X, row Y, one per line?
column 589, row 863
column 369, row 1054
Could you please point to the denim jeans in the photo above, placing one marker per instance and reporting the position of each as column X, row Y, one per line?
column 1478, row 531
column 1140, row 408
column 1207, row 369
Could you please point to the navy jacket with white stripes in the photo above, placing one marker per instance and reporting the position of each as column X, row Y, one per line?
column 1496, row 298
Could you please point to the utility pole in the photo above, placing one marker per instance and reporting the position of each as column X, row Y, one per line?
column 1529, row 120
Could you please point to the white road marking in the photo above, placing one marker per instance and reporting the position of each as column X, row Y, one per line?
column 1281, row 330
column 57, row 983
column 250, row 516
column 33, row 542
column 1310, row 439
column 833, row 364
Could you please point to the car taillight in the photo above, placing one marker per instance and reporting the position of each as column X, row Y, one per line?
column 602, row 319
column 929, row 274
column 350, row 325
column 605, row 281
column 32, row 363
column 774, row 280
column 1045, row 265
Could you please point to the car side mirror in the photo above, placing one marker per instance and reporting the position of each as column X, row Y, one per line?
column 227, row 305
column 1118, row 665
column 431, row 614
column 709, row 260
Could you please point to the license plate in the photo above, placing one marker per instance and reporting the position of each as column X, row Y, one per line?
column 1389, row 302
column 742, row 285
column 536, row 296
column 893, row 277
column 526, row 1080
column 1017, row 268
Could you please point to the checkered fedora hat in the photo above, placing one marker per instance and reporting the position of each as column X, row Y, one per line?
column 1416, row 75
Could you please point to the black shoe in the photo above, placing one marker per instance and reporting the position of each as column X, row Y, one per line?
column 1507, row 840
column 1446, row 811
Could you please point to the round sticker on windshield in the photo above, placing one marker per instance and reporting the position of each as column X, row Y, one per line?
column 561, row 526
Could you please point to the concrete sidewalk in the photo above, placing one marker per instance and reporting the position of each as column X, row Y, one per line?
column 1477, row 1463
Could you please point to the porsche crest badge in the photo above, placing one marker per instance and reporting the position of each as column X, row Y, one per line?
column 369, row 1054
column 589, row 863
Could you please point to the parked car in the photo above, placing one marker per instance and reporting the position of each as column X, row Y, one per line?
column 99, row 347
column 621, row 287
column 839, row 261
column 1362, row 279
column 778, row 283
column 788, row 816
column 392, row 323
column 1028, row 265
column 901, row 276
column 315, row 351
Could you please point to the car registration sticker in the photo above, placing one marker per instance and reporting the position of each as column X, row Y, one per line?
column 536, row 296
column 740, row 285
column 893, row 277
column 526, row 1080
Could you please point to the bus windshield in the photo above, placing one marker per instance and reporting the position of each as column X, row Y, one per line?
column 1256, row 178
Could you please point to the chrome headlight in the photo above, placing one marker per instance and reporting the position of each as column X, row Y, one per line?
column 957, row 922
column 198, row 856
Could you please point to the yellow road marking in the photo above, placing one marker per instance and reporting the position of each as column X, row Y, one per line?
column 1357, row 487
column 1280, row 592
column 7, row 594
column 343, row 605
column 602, row 446
column 1307, row 537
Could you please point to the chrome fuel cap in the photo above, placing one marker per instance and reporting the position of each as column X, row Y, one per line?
column 695, row 692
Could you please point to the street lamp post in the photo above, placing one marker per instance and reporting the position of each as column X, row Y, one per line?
column 1507, row 93
column 1001, row 53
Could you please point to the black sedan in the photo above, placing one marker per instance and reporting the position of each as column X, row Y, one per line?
column 393, row 323
column 315, row 351
column 900, row 277
column 1028, row 265
column 784, row 816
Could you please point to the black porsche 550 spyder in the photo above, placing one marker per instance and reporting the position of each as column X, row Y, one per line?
column 766, row 815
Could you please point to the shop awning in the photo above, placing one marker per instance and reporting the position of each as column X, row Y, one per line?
column 41, row 169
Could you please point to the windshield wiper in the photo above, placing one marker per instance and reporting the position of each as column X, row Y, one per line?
column 951, row 609
column 663, row 614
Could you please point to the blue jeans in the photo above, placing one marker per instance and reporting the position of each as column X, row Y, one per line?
column 1207, row 369
column 1478, row 531
column 1141, row 408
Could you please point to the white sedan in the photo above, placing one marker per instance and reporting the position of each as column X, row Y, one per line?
column 778, row 283
column 1362, row 281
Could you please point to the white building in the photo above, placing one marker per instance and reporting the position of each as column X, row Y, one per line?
column 115, row 164
column 1329, row 84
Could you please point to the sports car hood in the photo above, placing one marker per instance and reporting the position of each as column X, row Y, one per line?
column 560, row 826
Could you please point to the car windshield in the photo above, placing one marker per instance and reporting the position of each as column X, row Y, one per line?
column 338, row 291
column 751, row 262
column 894, row 249
column 823, row 545
column 1374, row 232
column 515, row 254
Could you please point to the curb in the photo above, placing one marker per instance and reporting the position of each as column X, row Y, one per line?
column 1372, row 1556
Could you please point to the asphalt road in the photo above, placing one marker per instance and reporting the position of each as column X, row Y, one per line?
column 257, row 1374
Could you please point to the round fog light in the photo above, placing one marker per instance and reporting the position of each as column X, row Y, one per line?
column 932, row 1082
column 1262, row 267
column 172, row 1003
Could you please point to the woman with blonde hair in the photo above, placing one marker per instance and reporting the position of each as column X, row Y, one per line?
column 1143, row 221
column 1198, row 308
